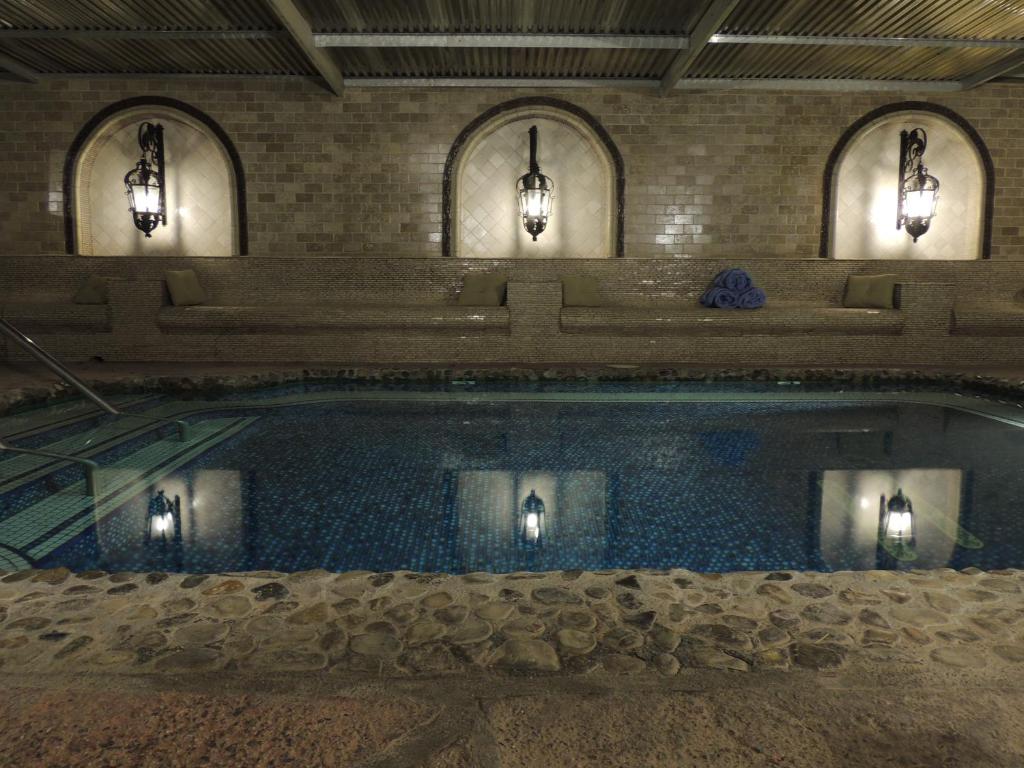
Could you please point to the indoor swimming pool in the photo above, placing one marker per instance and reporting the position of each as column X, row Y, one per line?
column 520, row 478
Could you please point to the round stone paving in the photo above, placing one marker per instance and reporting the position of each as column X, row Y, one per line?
column 659, row 622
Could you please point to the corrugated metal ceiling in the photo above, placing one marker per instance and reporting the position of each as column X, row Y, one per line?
column 502, row 62
column 1002, row 19
column 103, row 56
column 279, row 54
column 539, row 16
column 136, row 14
column 853, row 62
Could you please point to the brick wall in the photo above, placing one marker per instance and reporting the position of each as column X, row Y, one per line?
column 716, row 174
column 717, row 178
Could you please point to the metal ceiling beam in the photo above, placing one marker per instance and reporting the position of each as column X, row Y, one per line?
column 688, row 84
column 431, row 40
column 883, row 42
column 142, row 34
column 705, row 28
column 18, row 71
column 501, row 82
column 991, row 72
column 816, row 84
column 302, row 34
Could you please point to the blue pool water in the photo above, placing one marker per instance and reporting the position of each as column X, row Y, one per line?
column 289, row 479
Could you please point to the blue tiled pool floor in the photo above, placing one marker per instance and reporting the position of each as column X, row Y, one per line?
column 426, row 480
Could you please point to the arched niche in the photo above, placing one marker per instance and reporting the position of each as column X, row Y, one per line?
column 861, row 185
column 204, row 177
column 480, row 216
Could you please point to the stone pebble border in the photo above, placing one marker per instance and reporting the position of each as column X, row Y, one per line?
column 569, row 622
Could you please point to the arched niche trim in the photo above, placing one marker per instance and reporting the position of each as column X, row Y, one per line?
column 493, row 115
column 89, row 131
column 831, row 167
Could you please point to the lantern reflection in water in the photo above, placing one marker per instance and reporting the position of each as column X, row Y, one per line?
column 868, row 519
column 531, row 520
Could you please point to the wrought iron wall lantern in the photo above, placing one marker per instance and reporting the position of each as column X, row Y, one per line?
column 918, row 191
column 144, row 184
column 531, row 519
column 897, row 520
column 536, row 192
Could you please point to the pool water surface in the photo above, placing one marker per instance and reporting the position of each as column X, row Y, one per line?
column 508, row 481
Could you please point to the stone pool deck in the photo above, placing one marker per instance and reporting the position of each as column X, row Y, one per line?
column 630, row 668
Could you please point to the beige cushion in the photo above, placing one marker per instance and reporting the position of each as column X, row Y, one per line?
column 869, row 291
column 184, row 287
column 580, row 291
column 483, row 290
column 93, row 291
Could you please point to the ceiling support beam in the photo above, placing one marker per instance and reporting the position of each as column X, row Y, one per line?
column 142, row 34
column 689, row 84
column 869, row 42
column 817, row 84
column 706, row 27
column 991, row 72
column 302, row 34
column 633, row 83
column 431, row 40
column 18, row 71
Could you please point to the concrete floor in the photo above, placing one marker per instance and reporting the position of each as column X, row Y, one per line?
column 701, row 718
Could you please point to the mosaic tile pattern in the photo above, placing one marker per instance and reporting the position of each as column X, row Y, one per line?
column 199, row 193
column 867, row 183
column 34, row 531
column 489, row 222
column 428, row 485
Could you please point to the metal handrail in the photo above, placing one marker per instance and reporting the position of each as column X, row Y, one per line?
column 90, row 466
column 58, row 368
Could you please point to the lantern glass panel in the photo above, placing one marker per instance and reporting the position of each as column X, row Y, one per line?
column 899, row 525
column 146, row 197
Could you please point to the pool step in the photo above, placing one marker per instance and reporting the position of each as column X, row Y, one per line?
column 39, row 422
column 35, row 531
column 18, row 469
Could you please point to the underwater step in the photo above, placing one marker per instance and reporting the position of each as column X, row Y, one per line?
column 19, row 469
column 44, row 526
column 63, row 418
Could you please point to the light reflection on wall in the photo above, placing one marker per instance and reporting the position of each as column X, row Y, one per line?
column 488, row 504
column 488, row 223
column 200, row 190
column 866, row 182
column 850, row 514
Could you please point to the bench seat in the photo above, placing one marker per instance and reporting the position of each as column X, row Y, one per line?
column 320, row 318
column 773, row 320
column 43, row 317
column 992, row 318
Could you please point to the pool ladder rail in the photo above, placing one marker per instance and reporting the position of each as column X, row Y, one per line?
column 54, row 365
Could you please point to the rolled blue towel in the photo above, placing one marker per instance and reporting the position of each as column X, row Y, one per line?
column 752, row 298
column 737, row 280
column 720, row 298
column 708, row 297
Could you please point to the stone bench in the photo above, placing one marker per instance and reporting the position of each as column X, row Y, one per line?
column 52, row 317
column 776, row 319
column 322, row 318
column 992, row 318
